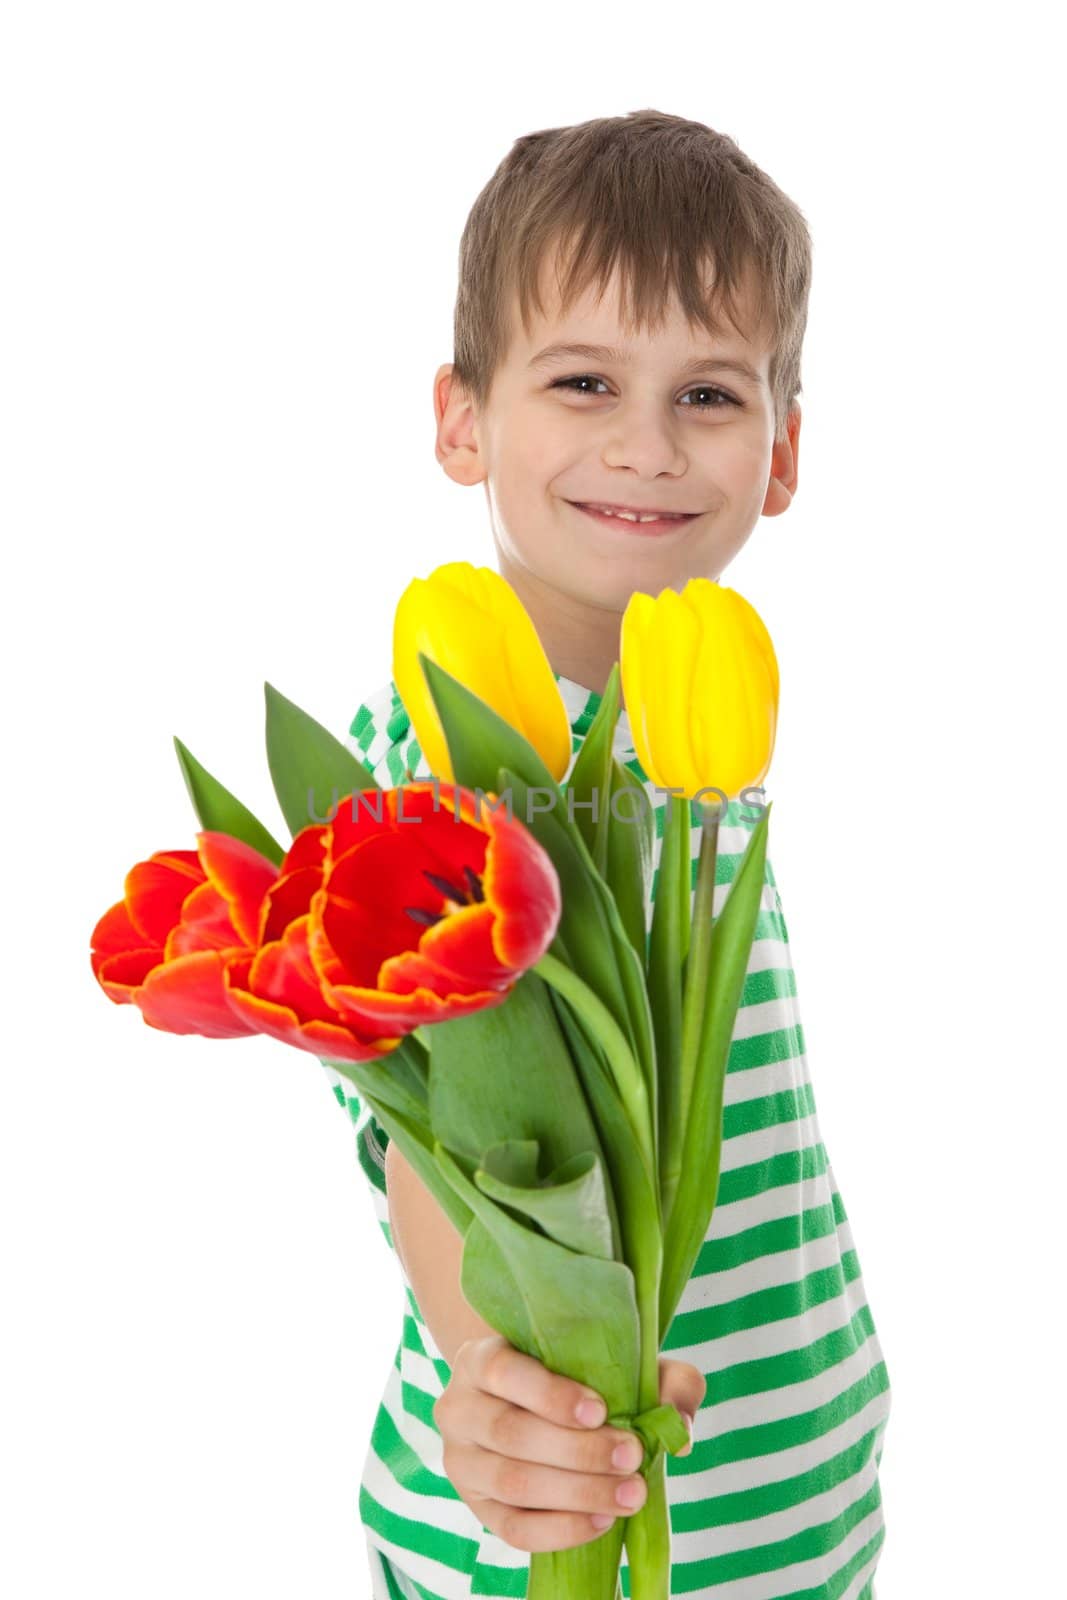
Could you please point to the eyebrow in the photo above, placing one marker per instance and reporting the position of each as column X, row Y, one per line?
column 604, row 352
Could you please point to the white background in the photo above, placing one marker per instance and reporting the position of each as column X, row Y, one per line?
column 228, row 278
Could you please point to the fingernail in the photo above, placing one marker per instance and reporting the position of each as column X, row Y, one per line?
column 591, row 1412
column 600, row 1522
column 689, row 1424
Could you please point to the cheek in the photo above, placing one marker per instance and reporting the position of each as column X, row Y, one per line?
column 749, row 457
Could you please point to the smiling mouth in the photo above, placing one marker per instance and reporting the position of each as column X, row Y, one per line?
column 635, row 522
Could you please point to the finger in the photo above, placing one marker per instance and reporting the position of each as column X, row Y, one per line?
column 497, row 1367
column 535, row 1530
column 510, row 1430
column 683, row 1386
column 533, row 1487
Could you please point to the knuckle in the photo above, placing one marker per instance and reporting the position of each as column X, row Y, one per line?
column 495, row 1361
column 504, row 1428
column 593, row 1494
column 511, row 1481
column 513, row 1530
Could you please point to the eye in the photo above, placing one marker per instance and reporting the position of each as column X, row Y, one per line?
column 701, row 388
column 708, row 388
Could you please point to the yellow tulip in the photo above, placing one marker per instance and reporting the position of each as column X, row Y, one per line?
column 700, row 685
column 470, row 622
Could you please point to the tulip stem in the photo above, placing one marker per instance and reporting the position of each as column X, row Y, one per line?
column 629, row 1079
column 695, row 991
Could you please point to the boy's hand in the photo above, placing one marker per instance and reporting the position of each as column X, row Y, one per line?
column 532, row 1470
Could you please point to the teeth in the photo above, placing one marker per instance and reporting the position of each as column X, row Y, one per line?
column 632, row 516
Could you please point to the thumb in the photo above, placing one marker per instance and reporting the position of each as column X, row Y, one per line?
column 683, row 1386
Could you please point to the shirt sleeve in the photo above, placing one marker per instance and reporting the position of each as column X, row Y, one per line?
column 380, row 735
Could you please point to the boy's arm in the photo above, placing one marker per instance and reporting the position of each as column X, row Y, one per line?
column 431, row 1252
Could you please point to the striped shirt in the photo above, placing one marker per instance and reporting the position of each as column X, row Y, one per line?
column 779, row 1498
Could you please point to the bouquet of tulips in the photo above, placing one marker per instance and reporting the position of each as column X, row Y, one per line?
column 473, row 952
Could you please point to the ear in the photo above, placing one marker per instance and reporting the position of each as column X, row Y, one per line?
column 456, row 444
column 783, row 480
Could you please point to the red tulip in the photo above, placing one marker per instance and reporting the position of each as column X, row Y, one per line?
column 430, row 912
column 165, row 945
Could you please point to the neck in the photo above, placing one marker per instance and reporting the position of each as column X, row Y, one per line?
column 581, row 641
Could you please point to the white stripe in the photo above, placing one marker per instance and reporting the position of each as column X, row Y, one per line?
column 765, row 1016
column 743, row 1149
column 736, row 1477
column 769, row 1205
column 801, row 1575
column 772, row 1339
column 743, row 1084
column 777, row 1525
column 442, row 1580
column 765, row 1272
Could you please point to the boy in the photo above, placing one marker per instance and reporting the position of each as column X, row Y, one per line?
column 631, row 307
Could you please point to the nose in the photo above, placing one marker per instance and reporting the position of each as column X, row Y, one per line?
column 643, row 436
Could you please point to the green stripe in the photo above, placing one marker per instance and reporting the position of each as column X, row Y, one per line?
column 772, row 983
column 766, row 1049
column 767, row 1111
column 807, row 1545
column 498, row 1582
column 781, row 1494
column 765, row 1239
column 782, row 1433
column 779, row 1302
column 787, row 1167
column 393, row 1450
column 437, row 1544
column 763, row 1373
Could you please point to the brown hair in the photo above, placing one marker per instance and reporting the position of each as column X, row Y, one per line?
column 660, row 194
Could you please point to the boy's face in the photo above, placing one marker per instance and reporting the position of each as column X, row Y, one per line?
column 663, row 424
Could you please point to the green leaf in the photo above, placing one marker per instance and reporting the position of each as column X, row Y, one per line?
column 479, row 740
column 310, row 769
column 591, row 776
column 629, row 864
column 591, row 937
column 631, row 1186
column 667, row 948
column 513, row 1161
column 576, row 1314
column 400, row 1077
column 570, row 1206
column 506, row 1073
column 728, row 958
column 220, row 811
column 389, row 1086
column 585, row 926
column 661, row 1428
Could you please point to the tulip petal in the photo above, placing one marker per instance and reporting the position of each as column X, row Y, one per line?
column 308, row 849
column 205, row 924
column 240, row 874
column 405, row 1012
column 320, row 1030
column 463, row 946
column 700, row 681
column 115, row 934
column 156, row 889
column 121, row 976
column 522, row 886
column 287, row 899
column 470, row 622
column 188, row 996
